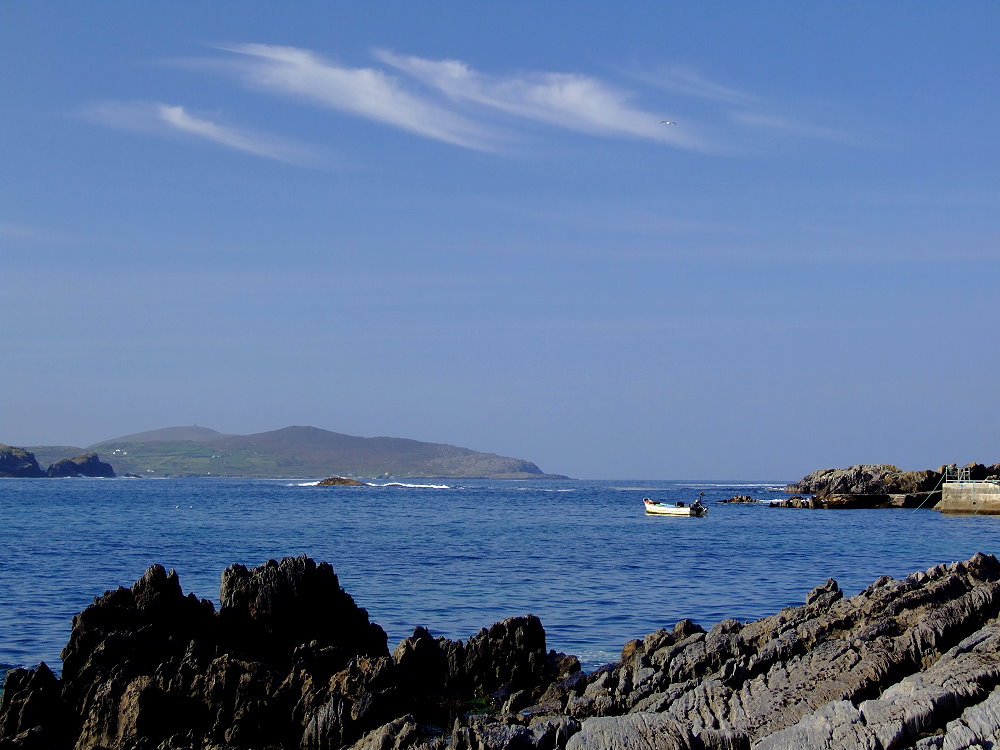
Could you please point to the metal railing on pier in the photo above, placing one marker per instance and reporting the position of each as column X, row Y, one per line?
column 964, row 474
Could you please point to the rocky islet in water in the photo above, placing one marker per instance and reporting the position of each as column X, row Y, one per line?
column 19, row 463
column 289, row 660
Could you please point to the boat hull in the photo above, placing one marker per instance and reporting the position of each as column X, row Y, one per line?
column 661, row 509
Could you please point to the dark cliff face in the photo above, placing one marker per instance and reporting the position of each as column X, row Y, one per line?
column 84, row 465
column 290, row 661
column 19, row 463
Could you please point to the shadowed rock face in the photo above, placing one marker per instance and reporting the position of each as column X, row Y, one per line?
column 18, row 463
column 84, row 465
column 290, row 661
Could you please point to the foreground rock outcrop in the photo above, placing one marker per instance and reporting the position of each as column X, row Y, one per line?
column 289, row 661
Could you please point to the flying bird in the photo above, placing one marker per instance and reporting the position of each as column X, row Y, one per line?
column 667, row 122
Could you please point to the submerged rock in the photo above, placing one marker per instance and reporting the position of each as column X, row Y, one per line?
column 740, row 499
column 289, row 660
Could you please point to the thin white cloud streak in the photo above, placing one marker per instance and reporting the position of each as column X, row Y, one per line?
column 689, row 82
column 459, row 104
column 793, row 127
column 567, row 100
column 157, row 118
column 365, row 92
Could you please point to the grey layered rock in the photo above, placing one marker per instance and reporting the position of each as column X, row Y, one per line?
column 865, row 479
column 291, row 661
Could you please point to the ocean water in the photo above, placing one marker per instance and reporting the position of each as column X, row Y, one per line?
column 457, row 555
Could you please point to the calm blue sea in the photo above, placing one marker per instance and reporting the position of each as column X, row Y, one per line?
column 456, row 555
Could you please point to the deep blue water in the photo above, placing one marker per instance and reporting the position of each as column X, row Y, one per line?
column 581, row 555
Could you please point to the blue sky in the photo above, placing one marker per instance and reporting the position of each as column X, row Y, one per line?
column 467, row 223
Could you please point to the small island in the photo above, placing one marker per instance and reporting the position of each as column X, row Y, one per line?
column 341, row 481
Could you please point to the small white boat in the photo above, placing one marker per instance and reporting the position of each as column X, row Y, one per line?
column 656, row 508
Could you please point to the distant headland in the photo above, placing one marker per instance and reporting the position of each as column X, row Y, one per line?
column 288, row 452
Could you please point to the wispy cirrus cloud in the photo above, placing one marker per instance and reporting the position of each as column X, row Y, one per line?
column 366, row 92
column 450, row 101
column 681, row 79
column 157, row 118
column 740, row 107
column 567, row 100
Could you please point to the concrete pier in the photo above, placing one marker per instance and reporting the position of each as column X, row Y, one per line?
column 982, row 497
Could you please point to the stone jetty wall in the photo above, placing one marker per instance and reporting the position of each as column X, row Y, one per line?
column 970, row 497
column 290, row 661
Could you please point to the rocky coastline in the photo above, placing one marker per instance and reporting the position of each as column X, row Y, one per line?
column 18, row 463
column 290, row 661
column 875, row 486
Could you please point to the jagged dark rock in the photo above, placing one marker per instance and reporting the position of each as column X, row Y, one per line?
column 865, row 479
column 740, row 499
column 84, row 465
column 18, row 463
column 875, row 486
column 336, row 481
column 290, row 661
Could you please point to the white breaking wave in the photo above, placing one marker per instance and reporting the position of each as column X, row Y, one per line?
column 547, row 489
column 419, row 486
column 373, row 484
column 593, row 659
column 764, row 485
